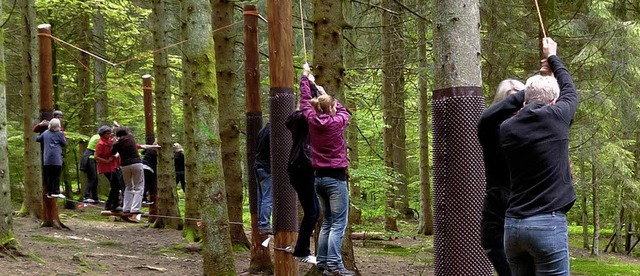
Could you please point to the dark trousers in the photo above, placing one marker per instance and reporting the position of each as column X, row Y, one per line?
column 114, row 192
column 180, row 179
column 150, row 185
column 303, row 181
column 91, row 190
column 51, row 175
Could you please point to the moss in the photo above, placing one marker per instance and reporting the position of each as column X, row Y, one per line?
column 49, row 240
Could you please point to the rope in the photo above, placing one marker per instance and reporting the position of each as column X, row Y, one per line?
column 304, row 41
column 544, row 33
column 78, row 48
column 148, row 215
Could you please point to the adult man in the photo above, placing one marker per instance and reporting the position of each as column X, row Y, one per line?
column 535, row 142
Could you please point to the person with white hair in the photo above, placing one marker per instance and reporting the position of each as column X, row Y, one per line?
column 535, row 142
column 497, row 178
column 52, row 140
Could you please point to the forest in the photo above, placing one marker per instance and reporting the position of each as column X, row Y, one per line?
column 215, row 72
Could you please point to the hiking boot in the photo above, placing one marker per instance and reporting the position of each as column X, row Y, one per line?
column 306, row 259
column 338, row 272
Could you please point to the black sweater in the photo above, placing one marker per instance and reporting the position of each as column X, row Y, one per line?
column 263, row 149
column 535, row 142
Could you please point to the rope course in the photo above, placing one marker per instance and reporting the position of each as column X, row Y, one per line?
column 83, row 204
column 304, row 41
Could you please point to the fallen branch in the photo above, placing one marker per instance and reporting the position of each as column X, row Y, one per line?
column 151, row 268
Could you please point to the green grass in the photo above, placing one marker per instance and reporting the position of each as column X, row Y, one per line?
column 108, row 244
column 593, row 267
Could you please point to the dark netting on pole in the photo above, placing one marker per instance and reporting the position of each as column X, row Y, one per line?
column 254, row 124
column 458, row 172
column 285, row 208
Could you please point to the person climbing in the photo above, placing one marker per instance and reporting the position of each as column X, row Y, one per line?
column 327, row 120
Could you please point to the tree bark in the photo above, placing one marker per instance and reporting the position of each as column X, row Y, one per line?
column 202, row 90
column 426, row 213
column 229, row 121
column 30, row 102
column 84, row 89
column 167, row 196
column 6, row 210
column 101, row 106
column 584, row 188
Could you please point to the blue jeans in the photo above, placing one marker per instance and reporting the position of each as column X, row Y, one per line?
column 334, row 200
column 265, row 199
column 537, row 245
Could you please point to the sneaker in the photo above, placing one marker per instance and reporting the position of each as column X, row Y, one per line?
column 338, row 272
column 267, row 231
column 306, row 259
column 88, row 200
column 58, row 196
column 100, row 201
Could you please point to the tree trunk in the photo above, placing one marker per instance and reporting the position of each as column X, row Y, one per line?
column 426, row 213
column 84, row 89
column 6, row 211
column 167, row 196
column 583, row 208
column 393, row 113
column 619, row 211
column 202, row 90
column 229, row 121
column 101, row 106
column 595, row 249
column 457, row 103
column 30, row 103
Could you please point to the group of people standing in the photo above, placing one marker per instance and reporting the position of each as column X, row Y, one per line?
column 524, row 136
column 317, row 169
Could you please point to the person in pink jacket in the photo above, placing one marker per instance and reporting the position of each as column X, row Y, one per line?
column 327, row 120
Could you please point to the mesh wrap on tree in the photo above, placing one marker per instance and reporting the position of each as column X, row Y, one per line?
column 459, row 183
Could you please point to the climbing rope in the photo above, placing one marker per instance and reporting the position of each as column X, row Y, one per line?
column 304, row 41
column 544, row 33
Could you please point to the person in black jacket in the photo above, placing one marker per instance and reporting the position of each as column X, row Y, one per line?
column 535, row 142
column 150, row 166
column 497, row 187
column 302, row 178
column 178, row 162
column 262, row 166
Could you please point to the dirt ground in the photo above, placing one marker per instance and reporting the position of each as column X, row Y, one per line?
column 96, row 245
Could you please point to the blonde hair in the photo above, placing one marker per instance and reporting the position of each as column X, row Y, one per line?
column 541, row 90
column 323, row 103
column 506, row 88
column 54, row 125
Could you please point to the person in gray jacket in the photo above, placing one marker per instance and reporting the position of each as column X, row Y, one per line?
column 52, row 141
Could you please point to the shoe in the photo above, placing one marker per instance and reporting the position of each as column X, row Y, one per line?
column 58, row 196
column 147, row 202
column 115, row 210
column 267, row 231
column 338, row 272
column 99, row 201
column 88, row 200
column 306, row 259
column 136, row 213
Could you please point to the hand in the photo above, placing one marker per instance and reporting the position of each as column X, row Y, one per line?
column 306, row 69
column 321, row 90
column 545, row 69
column 116, row 124
column 549, row 47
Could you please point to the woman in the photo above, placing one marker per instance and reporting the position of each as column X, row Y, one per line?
column 132, row 170
column 327, row 120
column 88, row 165
column 497, row 188
column 107, row 165
column 53, row 141
column 178, row 162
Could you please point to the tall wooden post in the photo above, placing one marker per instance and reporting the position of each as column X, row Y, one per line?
column 50, row 216
column 282, row 102
column 260, row 256
column 149, row 137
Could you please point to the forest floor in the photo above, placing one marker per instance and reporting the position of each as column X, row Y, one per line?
column 97, row 245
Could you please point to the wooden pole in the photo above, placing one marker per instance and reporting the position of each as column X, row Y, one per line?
column 282, row 102
column 147, row 89
column 50, row 217
column 260, row 256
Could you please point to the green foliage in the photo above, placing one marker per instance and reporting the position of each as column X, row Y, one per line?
column 611, row 267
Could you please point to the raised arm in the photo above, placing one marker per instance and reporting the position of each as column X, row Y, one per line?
column 567, row 103
column 493, row 116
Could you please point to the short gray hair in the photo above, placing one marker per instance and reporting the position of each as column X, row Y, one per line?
column 506, row 88
column 54, row 125
column 541, row 90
